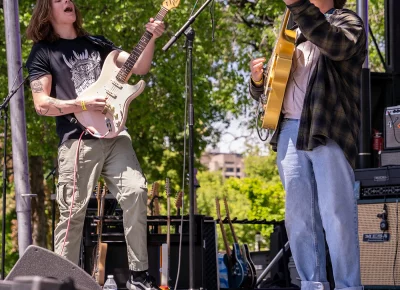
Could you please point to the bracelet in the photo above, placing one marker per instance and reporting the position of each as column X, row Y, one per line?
column 260, row 82
column 83, row 106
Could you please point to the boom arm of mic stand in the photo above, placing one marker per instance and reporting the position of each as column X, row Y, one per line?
column 11, row 94
column 185, row 26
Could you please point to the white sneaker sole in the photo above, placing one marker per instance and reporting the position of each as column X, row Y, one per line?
column 133, row 287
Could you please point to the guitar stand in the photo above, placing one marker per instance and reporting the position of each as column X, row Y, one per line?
column 272, row 264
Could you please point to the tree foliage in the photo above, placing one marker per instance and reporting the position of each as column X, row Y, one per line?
column 243, row 28
column 259, row 196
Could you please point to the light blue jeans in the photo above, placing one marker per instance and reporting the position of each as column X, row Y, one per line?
column 319, row 197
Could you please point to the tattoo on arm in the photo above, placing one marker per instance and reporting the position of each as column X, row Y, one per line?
column 37, row 87
column 55, row 103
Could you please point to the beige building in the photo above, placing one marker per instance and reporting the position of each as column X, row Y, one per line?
column 230, row 164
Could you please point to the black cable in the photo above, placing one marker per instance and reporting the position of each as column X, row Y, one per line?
column 259, row 116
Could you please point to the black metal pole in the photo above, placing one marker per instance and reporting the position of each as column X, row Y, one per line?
column 53, row 204
column 190, row 34
column 364, row 155
column 364, row 160
column 3, row 237
column 4, row 108
column 53, row 213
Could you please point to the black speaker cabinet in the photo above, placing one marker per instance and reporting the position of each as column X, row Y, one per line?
column 205, row 254
column 390, row 157
column 379, row 250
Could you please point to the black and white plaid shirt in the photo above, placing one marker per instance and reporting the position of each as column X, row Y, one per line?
column 332, row 102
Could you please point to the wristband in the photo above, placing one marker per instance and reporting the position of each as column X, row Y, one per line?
column 83, row 106
column 260, row 82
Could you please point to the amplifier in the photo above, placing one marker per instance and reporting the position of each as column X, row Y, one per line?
column 390, row 157
column 206, row 267
column 392, row 128
column 377, row 182
column 379, row 250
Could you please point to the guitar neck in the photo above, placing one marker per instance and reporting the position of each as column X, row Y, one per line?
column 127, row 67
column 229, row 221
column 101, row 215
column 227, row 248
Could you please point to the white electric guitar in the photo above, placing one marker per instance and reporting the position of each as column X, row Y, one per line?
column 112, row 83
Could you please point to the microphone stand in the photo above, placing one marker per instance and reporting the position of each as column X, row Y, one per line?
column 190, row 34
column 4, row 107
column 53, row 205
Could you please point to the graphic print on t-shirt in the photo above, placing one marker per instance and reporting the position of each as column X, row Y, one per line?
column 85, row 69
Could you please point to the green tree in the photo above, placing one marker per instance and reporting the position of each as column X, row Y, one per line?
column 156, row 119
column 258, row 196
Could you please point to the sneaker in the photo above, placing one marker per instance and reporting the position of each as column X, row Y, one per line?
column 142, row 282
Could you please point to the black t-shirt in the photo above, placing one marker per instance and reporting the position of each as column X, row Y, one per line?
column 74, row 65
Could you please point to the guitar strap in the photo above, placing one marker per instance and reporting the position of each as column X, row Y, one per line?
column 102, row 41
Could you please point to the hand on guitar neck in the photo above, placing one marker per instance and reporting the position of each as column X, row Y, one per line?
column 257, row 71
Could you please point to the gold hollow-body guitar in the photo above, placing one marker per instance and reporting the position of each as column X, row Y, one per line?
column 278, row 75
column 112, row 84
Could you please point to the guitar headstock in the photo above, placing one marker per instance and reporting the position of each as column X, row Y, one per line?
column 179, row 199
column 154, row 189
column 170, row 4
column 98, row 190
column 167, row 187
column 103, row 194
column 154, row 205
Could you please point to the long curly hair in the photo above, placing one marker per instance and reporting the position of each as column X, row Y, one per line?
column 338, row 4
column 40, row 27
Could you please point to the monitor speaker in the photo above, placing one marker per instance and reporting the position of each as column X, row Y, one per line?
column 379, row 256
column 37, row 261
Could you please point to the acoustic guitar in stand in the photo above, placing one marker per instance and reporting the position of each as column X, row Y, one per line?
column 250, row 279
column 236, row 267
column 101, row 249
column 155, row 205
column 113, row 84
